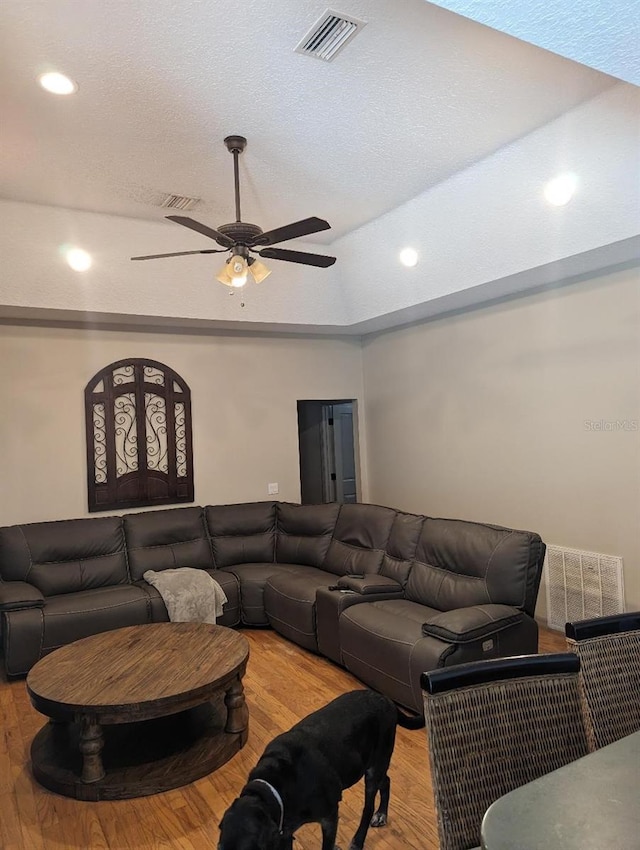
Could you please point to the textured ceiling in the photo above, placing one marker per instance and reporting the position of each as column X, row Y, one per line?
column 419, row 94
column 603, row 34
column 420, row 97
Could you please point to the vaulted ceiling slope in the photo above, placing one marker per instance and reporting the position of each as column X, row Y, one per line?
column 429, row 130
column 603, row 34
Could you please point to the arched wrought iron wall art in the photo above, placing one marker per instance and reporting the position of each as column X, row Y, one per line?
column 139, row 444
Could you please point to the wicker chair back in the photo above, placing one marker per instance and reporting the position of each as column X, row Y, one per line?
column 609, row 652
column 493, row 726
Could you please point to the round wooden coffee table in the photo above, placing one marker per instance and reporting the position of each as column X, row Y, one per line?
column 139, row 710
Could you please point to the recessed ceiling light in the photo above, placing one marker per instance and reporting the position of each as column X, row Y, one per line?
column 57, row 83
column 78, row 260
column 408, row 257
column 561, row 189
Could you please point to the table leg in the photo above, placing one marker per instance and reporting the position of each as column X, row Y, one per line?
column 91, row 743
column 237, row 713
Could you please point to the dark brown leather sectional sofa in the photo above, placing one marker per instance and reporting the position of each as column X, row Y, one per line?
column 386, row 594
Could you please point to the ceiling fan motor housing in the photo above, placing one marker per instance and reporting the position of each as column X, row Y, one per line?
column 240, row 238
column 241, row 232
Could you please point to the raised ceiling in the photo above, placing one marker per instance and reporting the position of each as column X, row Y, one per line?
column 603, row 34
column 420, row 96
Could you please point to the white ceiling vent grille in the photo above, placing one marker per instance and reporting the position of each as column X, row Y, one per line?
column 178, row 202
column 581, row 585
column 329, row 35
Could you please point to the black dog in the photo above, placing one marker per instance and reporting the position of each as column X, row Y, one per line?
column 302, row 773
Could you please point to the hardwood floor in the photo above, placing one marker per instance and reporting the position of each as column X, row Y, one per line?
column 282, row 684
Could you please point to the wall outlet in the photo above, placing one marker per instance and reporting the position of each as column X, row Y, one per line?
column 273, row 489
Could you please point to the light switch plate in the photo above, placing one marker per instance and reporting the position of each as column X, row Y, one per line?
column 273, row 489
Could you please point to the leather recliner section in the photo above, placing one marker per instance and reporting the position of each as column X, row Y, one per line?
column 385, row 593
column 290, row 603
column 167, row 539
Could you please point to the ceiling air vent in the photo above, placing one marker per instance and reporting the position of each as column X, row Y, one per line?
column 329, row 35
column 179, row 202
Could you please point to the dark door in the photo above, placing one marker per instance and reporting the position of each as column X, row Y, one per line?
column 327, row 451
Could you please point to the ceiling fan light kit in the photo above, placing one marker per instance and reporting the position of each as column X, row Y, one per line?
column 240, row 238
column 258, row 270
column 234, row 272
column 237, row 269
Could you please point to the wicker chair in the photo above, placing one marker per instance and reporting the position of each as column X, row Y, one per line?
column 609, row 652
column 493, row 726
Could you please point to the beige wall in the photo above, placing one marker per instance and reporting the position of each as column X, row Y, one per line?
column 483, row 415
column 244, row 392
column 479, row 415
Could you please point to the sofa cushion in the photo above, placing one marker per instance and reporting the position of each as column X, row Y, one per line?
column 76, row 615
column 290, row 603
column 304, row 533
column 459, row 564
column 359, row 539
column 167, row 539
column 401, row 546
column 65, row 556
column 251, row 580
column 378, row 641
column 242, row 534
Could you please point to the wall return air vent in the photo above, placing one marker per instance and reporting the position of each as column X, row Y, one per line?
column 329, row 35
column 581, row 585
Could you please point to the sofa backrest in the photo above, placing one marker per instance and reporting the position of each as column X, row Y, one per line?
column 65, row 556
column 167, row 539
column 401, row 546
column 242, row 534
column 359, row 539
column 458, row 564
column 304, row 532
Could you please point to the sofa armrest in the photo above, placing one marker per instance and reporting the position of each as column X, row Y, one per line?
column 19, row 594
column 465, row 625
column 370, row 584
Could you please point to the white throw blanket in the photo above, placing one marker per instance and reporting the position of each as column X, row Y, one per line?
column 190, row 595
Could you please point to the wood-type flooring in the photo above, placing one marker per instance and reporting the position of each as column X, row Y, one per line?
column 282, row 684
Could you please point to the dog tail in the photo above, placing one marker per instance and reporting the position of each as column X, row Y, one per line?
column 409, row 721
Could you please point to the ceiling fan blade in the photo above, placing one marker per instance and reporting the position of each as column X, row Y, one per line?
column 292, row 231
column 192, row 224
column 319, row 260
column 181, row 254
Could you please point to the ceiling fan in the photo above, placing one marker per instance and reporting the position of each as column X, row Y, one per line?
column 240, row 239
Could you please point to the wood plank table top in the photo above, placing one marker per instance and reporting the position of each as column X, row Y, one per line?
column 137, row 671
column 139, row 710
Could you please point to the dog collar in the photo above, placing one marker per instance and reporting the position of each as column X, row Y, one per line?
column 278, row 798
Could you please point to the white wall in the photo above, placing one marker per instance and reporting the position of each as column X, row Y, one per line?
column 34, row 273
column 244, row 392
column 479, row 415
column 482, row 415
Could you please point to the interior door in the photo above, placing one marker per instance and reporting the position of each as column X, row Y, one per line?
column 328, row 470
column 344, row 453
